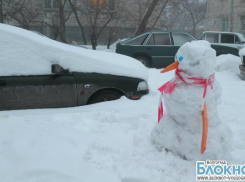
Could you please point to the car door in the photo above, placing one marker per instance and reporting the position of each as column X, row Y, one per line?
column 181, row 38
column 134, row 45
column 159, row 47
column 46, row 91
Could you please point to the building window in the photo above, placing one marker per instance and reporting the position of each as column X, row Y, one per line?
column 224, row 24
column 50, row 4
column 104, row 4
column 242, row 23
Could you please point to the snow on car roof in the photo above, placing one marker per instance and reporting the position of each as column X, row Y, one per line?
column 26, row 53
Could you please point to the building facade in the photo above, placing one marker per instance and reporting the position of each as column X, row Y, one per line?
column 226, row 15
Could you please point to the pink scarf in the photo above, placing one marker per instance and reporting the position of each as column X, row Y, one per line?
column 168, row 87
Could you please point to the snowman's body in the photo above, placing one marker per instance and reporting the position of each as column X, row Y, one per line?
column 180, row 130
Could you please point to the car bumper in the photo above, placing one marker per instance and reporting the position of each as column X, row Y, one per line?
column 242, row 70
column 137, row 95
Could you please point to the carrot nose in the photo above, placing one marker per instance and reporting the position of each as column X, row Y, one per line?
column 171, row 67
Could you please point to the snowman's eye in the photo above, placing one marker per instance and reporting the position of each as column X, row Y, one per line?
column 181, row 58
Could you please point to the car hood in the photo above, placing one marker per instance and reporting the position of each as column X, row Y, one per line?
column 25, row 53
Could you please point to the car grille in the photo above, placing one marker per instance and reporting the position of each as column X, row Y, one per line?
column 243, row 60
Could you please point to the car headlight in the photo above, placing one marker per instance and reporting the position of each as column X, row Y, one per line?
column 142, row 86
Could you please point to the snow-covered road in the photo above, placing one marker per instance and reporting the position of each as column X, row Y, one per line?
column 108, row 142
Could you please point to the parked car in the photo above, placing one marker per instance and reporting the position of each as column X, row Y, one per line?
column 157, row 49
column 36, row 72
column 66, row 89
column 231, row 39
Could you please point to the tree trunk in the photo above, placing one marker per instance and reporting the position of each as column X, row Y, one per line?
column 62, row 22
column 94, row 41
column 1, row 11
column 163, row 7
column 194, row 30
column 143, row 24
column 79, row 23
column 109, row 41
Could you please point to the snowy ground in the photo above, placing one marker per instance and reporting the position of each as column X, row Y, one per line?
column 108, row 142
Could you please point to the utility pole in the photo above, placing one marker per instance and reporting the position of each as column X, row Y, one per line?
column 232, row 15
column 1, row 11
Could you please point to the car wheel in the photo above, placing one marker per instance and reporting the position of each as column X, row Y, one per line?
column 144, row 61
column 104, row 95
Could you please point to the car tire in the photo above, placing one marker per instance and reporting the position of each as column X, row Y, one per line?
column 104, row 95
column 144, row 61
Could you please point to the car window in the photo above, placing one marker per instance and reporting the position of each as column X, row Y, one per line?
column 237, row 41
column 212, row 38
column 151, row 41
column 227, row 39
column 162, row 39
column 202, row 37
column 180, row 39
column 137, row 41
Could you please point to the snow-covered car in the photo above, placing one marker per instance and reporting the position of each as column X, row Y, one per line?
column 232, row 39
column 37, row 72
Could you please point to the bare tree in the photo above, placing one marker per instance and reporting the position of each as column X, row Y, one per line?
column 120, row 18
column 63, row 20
column 58, row 19
column 160, row 13
column 135, row 11
column 173, row 16
column 25, row 13
column 196, row 10
column 1, row 11
column 53, row 24
column 98, row 14
column 78, row 19
column 141, row 28
column 111, row 35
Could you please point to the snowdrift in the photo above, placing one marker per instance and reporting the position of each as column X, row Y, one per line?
column 26, row 53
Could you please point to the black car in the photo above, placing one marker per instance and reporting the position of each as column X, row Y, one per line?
column 24, row 86
column 158, row 48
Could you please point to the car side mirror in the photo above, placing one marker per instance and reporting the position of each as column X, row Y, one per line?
column 57, row 69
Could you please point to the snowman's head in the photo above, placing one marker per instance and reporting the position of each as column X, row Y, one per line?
column 196, row 58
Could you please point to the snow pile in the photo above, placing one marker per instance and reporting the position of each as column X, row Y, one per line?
column 180, row 130
column 26, row 53
column 242, row 52
column 228, row 63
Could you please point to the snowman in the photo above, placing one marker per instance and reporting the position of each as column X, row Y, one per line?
column 190, row 127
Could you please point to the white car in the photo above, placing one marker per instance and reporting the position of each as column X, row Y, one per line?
column 231, row 39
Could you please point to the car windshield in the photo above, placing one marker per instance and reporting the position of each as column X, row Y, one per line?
column 180, row 39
